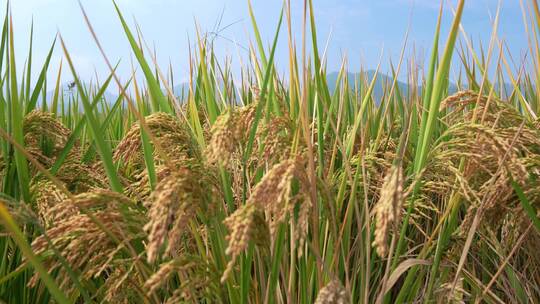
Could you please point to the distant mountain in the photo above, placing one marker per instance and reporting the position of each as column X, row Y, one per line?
column 386, row 81
column 68, row 93
column 383, row 83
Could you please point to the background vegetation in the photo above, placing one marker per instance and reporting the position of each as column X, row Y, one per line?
column 265, row 190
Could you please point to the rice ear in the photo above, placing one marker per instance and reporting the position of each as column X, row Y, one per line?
column 228, row 132
column 86, row 245
column 46, row 196
column 388, row 209
column 167, row 130
column 172, row 204
column 333, row 293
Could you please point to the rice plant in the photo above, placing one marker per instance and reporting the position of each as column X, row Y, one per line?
column 269, row 189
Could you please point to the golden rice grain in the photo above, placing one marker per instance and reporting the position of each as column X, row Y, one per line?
column 46, row 196
column 333, row 293
column 273, row 196
column 172, row 136
column 197, row 276
column 222, row 142
column 38, row 125
column 241, row 225
column 86, row 242
column 229, row 131
column 171, row 206
column 388, row 209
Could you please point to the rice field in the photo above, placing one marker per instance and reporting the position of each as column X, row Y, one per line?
column 261, row 189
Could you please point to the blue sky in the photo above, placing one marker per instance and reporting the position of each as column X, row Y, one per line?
column 359, row 29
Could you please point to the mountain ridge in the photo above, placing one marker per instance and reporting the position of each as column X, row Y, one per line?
column 383, row 80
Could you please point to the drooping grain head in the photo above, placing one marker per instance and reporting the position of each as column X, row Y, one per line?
column 487, row 144
column 222, row 143
column 46, row 196
column 88, row 242
column 198, row 277
column 333, row 293
column 139, row 189
column 122, row 284
column 457, row 295
column 79, row 177
column 173, row 138
column 388, row 209
column 229, row 131
column 278, row 137
column 274, row 195
column 376, row 161
column 492, row 154
column 22, row 213
column 172, row 205
column 488, row 111
column 518, row 230
column 244, row 225
column 44, row 136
